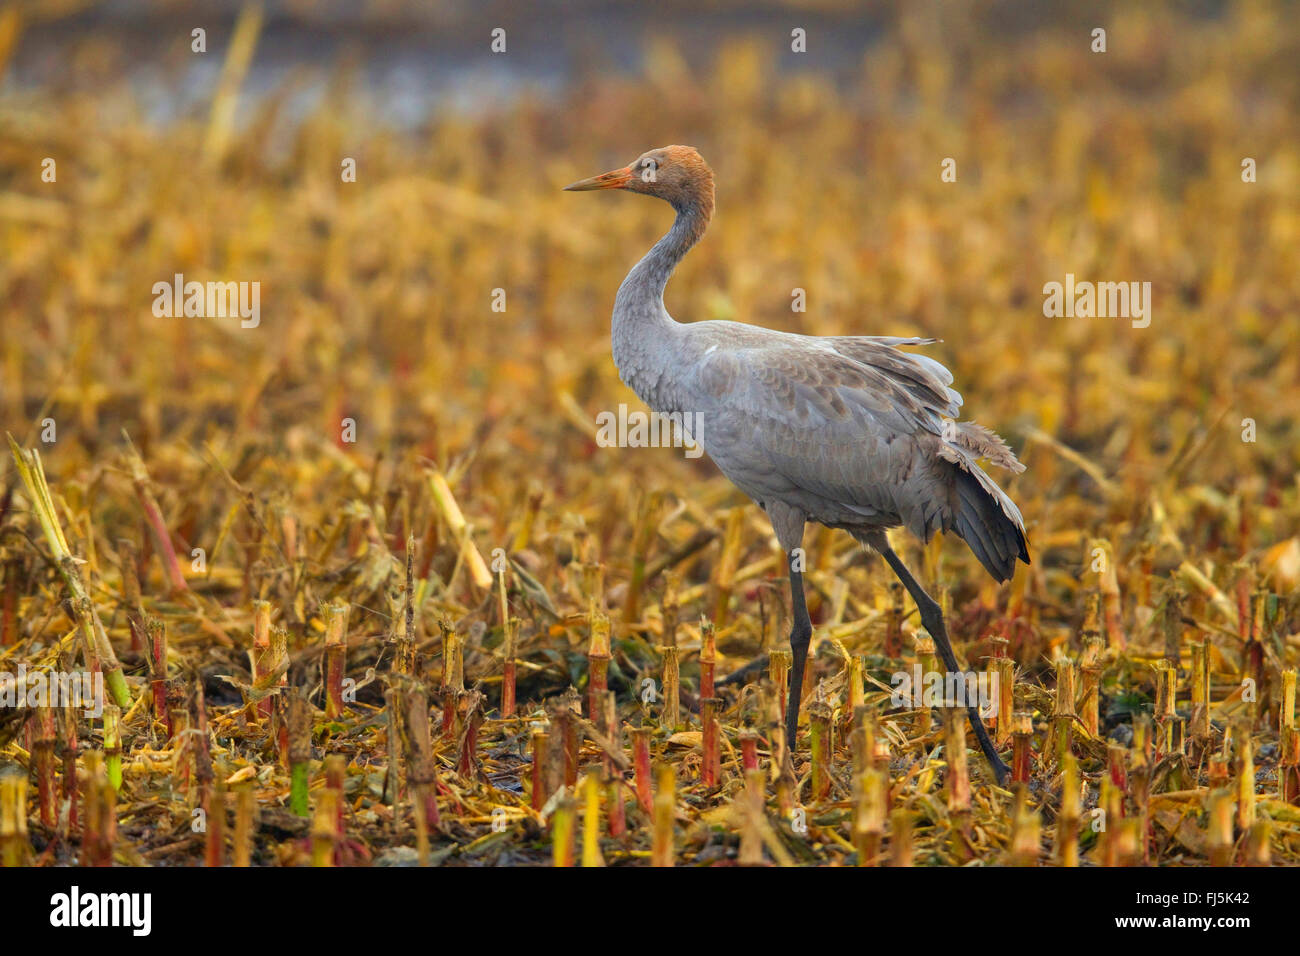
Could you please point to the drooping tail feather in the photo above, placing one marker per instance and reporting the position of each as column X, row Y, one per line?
column 990, row 523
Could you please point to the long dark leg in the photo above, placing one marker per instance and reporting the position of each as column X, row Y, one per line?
column 800, row 636
column 932, row 618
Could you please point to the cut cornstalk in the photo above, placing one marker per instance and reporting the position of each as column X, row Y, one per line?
column 214, row 853
column 591, row 822
column 708, row 657
column 156, row 632
column 1245, row 767
column 1067, row 820
column 540, row 748
column 469, row 707
column 508, row 668
column 954, row 723
column 672, row 688
column 1201, row 693
column 778, row 664
column 1219, row 838
column 617, row 813
column 422, row 769
column 259, row 656
column 13, row 817
column 43, row 741
column 336, row 651
column 1022, row 734
column 748, row 750
column 665, row 809
column 97, row 649
column 641, row 767
column 598, row 656
column 68, row 782
column 819, row 723
column 1025, row 830
column 710, row 764
column 870, row 803
column 1063, row 714
column 298, row 720
column 113, row 745
column 900, row 838
column 562, row 829
column 245, row 805
column 325, row 828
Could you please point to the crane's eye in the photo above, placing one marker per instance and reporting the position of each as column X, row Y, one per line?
column 649, row 169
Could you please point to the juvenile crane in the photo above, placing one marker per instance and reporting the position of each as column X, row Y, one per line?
column 846, row 431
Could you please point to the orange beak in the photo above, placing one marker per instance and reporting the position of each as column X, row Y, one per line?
column 614, row 179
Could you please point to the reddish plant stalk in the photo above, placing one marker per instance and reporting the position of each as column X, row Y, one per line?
column 641, row 767
column 1022, row 733
column 336, row 651
column 9, row 603
column 709, row 767
column 245, row 804
column 471, row 716
column 541, row 744
column 508, row 669
column 69, row 782
column 749, row 751
column 1116, row 758
column 335, row 777
column 453, row 681
column 572, row 745
column 215, row 849
column 157, row 526
column 43, row 739
column 614, row 796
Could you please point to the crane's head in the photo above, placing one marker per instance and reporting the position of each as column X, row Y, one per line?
column 677, row 174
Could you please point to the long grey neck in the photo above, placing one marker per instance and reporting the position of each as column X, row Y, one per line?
column 644, row 335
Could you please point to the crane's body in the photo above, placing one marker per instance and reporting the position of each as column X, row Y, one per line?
column 846, row 431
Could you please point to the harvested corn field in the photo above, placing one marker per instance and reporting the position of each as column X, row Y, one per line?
column 329, row 535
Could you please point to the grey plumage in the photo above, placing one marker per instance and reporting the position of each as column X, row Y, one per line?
column 848, row 431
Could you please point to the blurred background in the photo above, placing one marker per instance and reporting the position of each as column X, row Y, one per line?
column 377, row 295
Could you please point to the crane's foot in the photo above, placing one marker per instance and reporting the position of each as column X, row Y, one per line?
column 1000, row 770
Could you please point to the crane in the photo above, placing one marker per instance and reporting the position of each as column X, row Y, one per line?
column 849, row 432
